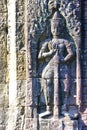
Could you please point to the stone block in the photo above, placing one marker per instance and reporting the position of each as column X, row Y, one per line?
column 21, row 66
column 28, row 112
column 20, row 13
column 2, row 127
column 20, row 2
column 2, row 115
column 21, row 91
column 31, row 124
column 44, row 125
column 2, row 99
column 3, row 17
column 58, row 124
column 3, row 63
column 70, row 124
column 20, row 9
column 3, row 8
column 20, row 37
column 3, row 36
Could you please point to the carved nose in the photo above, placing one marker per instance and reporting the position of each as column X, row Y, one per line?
column 55, row 30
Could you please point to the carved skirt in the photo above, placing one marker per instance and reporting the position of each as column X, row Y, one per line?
column 63, row 74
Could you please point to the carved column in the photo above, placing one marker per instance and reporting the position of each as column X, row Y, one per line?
column 56, row 87
column 30, row 106
column 78, row 61
column 78, row 71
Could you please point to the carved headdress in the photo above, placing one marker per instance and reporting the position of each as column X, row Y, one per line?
column 56, row 17
column 57, row 20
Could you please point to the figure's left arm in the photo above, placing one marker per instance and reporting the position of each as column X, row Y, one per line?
column 69, row 51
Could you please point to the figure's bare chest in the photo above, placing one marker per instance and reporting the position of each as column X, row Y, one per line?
column 56, row 44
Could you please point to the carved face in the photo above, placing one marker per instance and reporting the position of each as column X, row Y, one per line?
column 56, row 28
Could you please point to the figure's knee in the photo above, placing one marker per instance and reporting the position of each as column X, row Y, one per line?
column 43, row 75
column 47, row 74
column 49, row 82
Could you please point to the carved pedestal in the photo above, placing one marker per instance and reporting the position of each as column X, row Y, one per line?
column 58, row 124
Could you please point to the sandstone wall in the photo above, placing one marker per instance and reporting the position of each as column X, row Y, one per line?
column 3, row 64
column 22, row 29
column 5, row 67
column 17, row 55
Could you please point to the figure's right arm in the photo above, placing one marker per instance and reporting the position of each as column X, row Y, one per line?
column 44, row 51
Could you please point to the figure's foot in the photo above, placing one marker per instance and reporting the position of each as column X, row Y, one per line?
column 64, row 107
column 74, row 116
column 64, row 110
column 45, row 114
column 65, row 113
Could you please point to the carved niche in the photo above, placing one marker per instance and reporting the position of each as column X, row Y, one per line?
column 53, row 62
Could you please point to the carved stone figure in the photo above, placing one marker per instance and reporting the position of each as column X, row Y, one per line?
column 56, row 52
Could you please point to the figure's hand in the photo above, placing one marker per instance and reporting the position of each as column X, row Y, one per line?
column 48, row 54
column 52, row 51
column 62, row 61
column 59, row 60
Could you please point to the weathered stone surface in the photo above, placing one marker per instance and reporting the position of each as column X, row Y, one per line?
column 58, row 124
column 38, row 16
column 31, row 124
column 2, row 127
column 3, row 7
column 21, row 65
column 30, row 23
column 20, row 38
column 3, row 63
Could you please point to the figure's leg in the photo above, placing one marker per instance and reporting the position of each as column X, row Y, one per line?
column 47, row 83
column 49, row 94
column 66, row 90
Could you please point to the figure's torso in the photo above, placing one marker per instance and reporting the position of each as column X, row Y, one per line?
column 60, row 44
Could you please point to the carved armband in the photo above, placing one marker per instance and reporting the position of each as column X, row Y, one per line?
column 68, row 45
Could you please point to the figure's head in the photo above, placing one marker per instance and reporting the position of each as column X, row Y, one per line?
column 56, row 24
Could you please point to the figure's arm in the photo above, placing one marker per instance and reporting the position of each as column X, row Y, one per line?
column 45, row 52
column 69, row 51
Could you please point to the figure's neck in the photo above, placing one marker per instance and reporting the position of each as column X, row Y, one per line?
column 55, row 37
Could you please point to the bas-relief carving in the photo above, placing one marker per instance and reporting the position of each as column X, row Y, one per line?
column 55, row 79
column 71, row 10
column 57, row 53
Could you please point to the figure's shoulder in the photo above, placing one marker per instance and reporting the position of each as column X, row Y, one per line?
column 45, row 42
column 61, row 40
column 66, row 42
